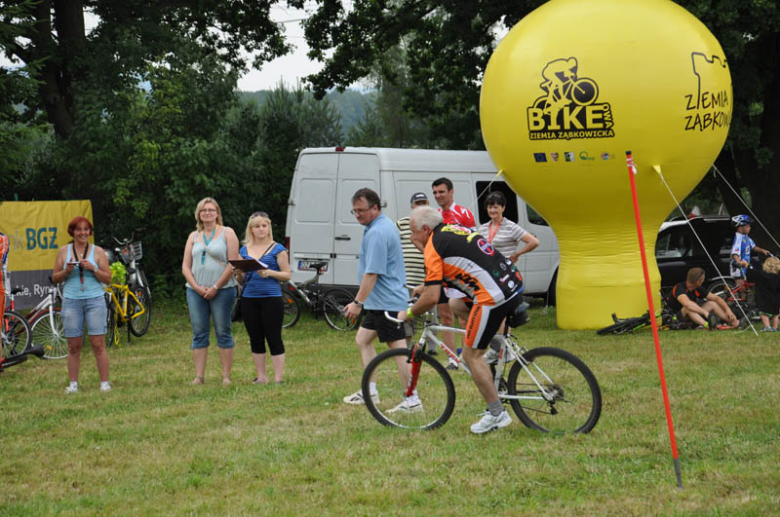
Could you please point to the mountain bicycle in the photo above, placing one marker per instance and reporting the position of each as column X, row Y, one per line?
column 125, row 306
column 328, row 302
column 550, row 390
column 47, row 327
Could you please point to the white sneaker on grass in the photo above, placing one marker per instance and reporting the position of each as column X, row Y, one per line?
column 408, row 406
column 72, row 388
column 105, row 386
column 491, row 423
column 357, row 398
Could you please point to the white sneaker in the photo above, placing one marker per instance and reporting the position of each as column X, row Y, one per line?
column 491, row 423
column 105, row 386
column 357, row 398
column 72, row 388
column 408, row 406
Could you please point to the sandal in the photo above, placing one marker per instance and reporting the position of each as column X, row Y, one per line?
column 258, row 381
column 226, row 381
column 197, row 380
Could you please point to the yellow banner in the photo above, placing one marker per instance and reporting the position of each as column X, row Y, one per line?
column 37, row 229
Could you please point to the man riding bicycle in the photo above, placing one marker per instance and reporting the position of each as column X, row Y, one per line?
column 466, row 261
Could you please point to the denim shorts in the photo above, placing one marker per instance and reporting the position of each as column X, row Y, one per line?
column 219, row 309
column 75, row 312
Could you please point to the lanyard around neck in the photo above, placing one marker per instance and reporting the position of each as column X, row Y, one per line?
column 81, row 269
column 492, row 232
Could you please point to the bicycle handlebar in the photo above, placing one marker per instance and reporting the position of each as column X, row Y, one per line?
column 391, row 318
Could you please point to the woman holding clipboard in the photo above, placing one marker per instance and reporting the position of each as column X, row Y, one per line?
column 262, row 308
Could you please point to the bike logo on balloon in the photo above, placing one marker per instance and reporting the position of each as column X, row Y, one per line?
column 568, row 110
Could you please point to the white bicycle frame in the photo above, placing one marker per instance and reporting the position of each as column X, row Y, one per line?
column 47, row 304
column 430, row 330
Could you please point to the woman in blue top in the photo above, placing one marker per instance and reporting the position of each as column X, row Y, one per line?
column 262, row 308
column 210, row 289
column 83, row 266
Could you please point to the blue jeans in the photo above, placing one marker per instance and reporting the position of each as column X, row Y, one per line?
column 220, row 308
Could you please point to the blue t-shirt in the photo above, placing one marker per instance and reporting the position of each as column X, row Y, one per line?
column 381, row 254
column 742, row 247
column 256, row 286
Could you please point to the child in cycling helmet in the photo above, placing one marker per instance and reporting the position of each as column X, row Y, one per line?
column 767, row 281
column 741, row 247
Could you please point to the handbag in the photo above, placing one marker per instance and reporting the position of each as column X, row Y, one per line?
column 236, row 314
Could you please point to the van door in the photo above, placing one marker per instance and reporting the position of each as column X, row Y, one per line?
column 314, row 205
column 355, row 171
column 541, row 262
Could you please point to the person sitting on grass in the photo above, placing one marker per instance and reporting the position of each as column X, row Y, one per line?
column 692, row 302
column 767, row 281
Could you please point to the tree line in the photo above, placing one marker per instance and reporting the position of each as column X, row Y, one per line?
column 140, row 113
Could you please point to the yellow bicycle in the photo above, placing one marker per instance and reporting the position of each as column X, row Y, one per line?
column 126, row 306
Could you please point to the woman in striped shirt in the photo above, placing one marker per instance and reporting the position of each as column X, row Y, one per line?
column 503, row 234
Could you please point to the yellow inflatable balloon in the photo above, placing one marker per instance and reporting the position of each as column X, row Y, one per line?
column 571, row 88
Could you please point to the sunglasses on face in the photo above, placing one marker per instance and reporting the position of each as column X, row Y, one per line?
column 259, row 214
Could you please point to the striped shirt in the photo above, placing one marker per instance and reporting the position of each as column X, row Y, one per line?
column 414, row 261
column 507, row 239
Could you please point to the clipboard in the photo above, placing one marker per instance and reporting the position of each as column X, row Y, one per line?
column 248, row 264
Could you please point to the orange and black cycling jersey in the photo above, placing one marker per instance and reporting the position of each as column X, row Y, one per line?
column 468, row 262
column 697, row 295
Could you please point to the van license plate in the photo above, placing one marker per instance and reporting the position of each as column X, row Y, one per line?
column 306, row 265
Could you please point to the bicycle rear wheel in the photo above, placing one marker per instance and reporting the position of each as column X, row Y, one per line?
column 434, row 388
column 112, row 333
column 571, row 400
column 139, row 324
column 16, row 333
column 49, row 332
column 334, row 302
column 292, row 310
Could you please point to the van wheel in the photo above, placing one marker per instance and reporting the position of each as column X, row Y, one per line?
column 551, row 291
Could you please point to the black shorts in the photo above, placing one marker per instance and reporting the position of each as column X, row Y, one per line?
column 386, row 330
column 485, row 320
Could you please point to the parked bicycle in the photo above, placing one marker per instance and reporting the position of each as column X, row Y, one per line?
column 322, row 301
column 46, row 323
column 21, row 357
column 15, row 333
column 129, row 253
column 125, row 307
column 549, row 389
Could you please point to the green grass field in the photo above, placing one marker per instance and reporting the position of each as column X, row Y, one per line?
column 156, row 444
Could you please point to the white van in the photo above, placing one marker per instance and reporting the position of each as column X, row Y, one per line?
column 320, row 226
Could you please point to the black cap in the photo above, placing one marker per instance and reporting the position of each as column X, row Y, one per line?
column 418, row 196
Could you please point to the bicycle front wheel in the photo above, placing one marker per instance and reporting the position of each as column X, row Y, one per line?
column 140, row 324
column 49, row 332
column 292, row 310
column 557, row 392
column 16, row 333
column 335, row 300
column 435, row 390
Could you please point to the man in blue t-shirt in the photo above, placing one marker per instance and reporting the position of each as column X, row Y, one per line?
column 382, row 288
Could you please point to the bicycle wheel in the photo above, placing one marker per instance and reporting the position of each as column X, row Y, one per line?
column 112, row 334
column 334, row 302
column 292, row 310
column 571, row 400
column 624, row 326
column 434, row 389
column 16, row 333
column 49, row 332
column 140, row 324
column 721, row 287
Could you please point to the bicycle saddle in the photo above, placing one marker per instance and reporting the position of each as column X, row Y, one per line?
column 519, row 317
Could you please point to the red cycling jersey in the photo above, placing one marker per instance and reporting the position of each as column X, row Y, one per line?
column 459, row 215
